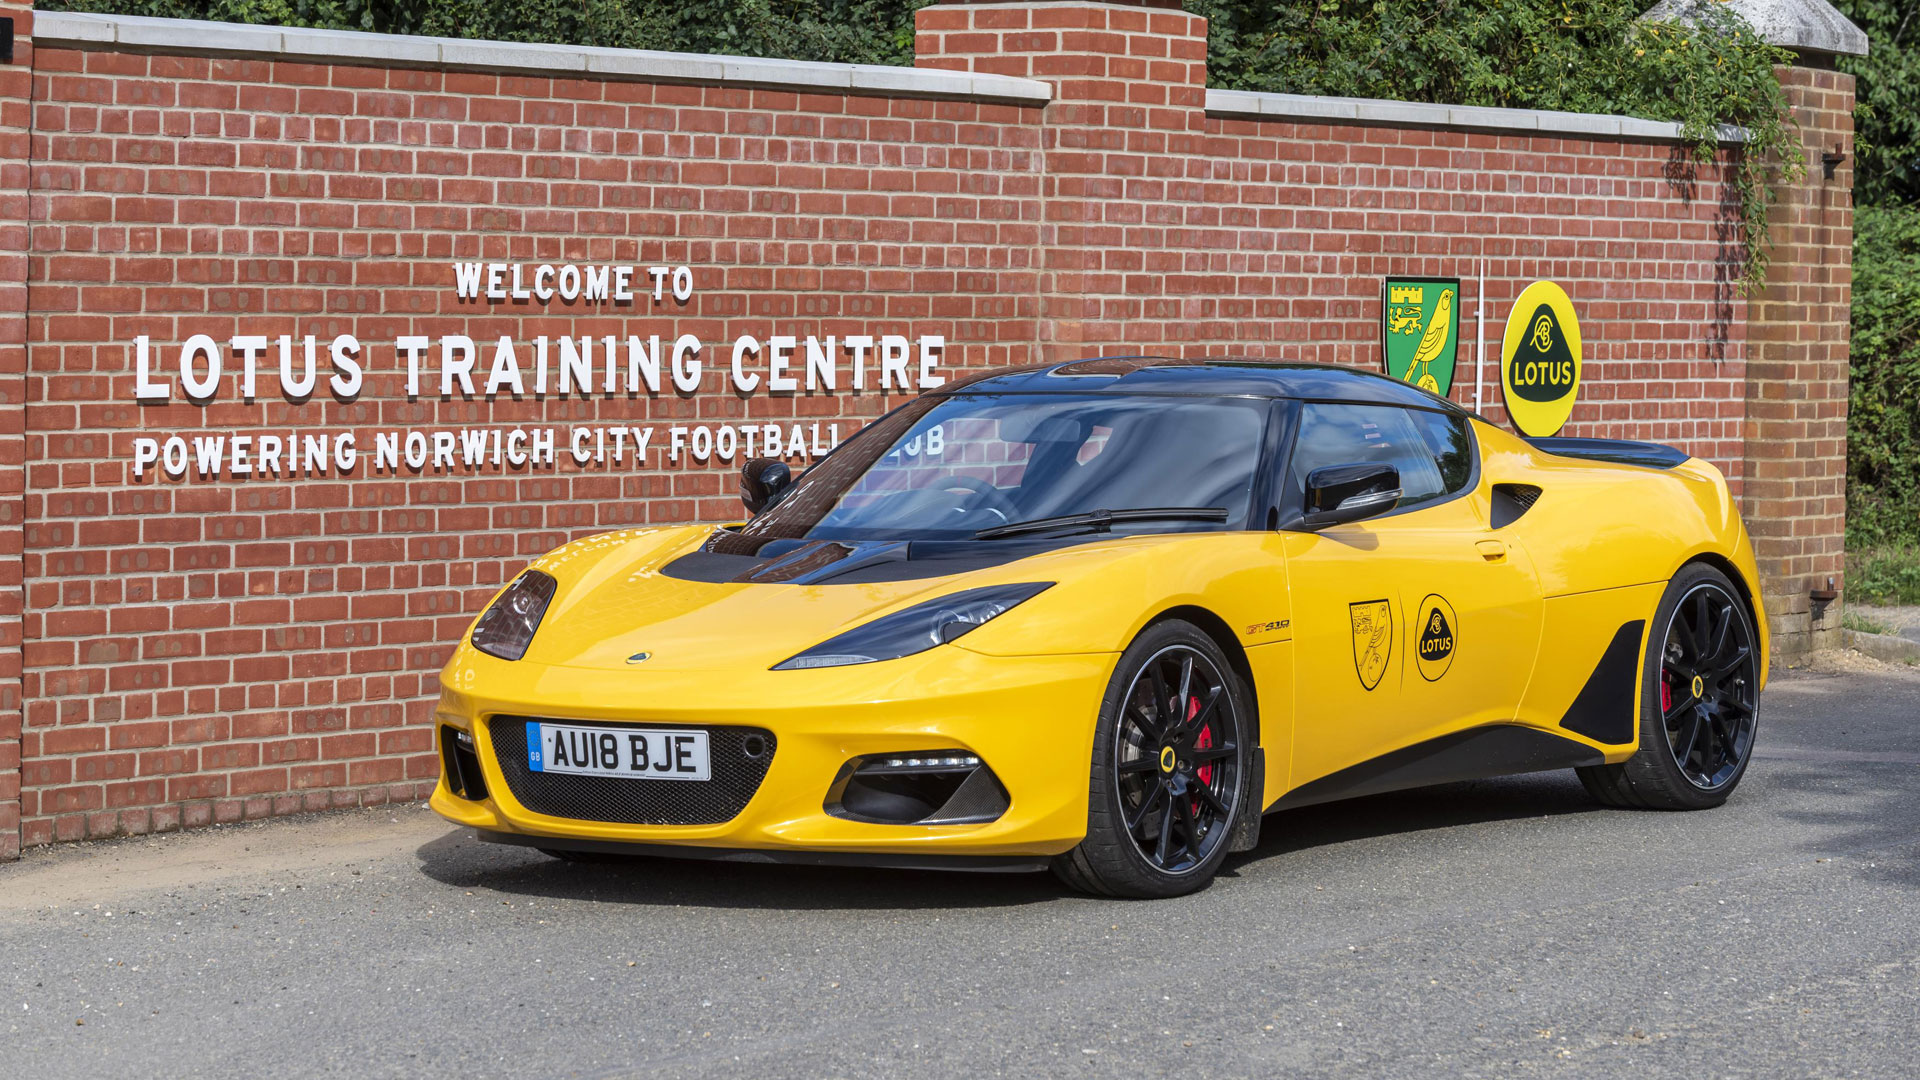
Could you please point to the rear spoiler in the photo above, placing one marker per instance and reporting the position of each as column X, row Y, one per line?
column 1619, row 451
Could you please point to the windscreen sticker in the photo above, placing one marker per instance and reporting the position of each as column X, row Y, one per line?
column 1434, row 649
column 1372, row 639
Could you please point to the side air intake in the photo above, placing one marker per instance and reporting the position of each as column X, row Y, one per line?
column 1510, row 501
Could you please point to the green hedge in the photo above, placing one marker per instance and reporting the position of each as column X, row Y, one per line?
column 846, row 31
column 1883, row 427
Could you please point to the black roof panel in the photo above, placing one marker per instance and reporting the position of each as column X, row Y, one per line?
column 1204, row 376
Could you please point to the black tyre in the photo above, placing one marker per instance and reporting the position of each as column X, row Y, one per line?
column 1170, row 769
column 1699, row 701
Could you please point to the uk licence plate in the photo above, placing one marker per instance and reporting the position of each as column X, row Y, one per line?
column 630, row 752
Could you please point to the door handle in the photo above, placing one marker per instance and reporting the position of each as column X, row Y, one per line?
column 1492, row 550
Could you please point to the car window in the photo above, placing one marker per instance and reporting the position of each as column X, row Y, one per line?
column 944, row 467
column 1354, row 434
column 1450, row 439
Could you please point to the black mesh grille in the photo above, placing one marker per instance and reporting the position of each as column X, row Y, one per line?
column 736, row 776
column 1524, row 494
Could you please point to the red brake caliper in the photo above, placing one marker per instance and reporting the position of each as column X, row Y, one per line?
column 1205, row 741
column 1666, row 695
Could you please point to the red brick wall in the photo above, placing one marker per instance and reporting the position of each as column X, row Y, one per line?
column 210, row 650
column 215, row 650
column 1175, row 231
column 15, row 84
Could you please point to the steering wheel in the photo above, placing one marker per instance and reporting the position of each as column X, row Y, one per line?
column 992, row 499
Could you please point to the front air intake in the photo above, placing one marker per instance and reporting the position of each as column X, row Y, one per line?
column 462, row 763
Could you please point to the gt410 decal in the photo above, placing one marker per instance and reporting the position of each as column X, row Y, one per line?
column 1433, row 649
column 1372, row 639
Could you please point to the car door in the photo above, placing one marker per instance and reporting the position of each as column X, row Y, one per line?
column 1408, row 625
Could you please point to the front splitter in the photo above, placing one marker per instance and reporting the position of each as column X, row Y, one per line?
column 999, row 864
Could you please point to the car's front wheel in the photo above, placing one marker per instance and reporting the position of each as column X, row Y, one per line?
column 1170, row 770
column 1699, row 701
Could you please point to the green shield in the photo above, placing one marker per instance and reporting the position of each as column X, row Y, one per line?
column 1420, row 331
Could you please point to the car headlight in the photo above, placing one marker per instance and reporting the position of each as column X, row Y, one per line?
column 506, row 628
column 916, row 629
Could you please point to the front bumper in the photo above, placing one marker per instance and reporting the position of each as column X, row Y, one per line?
column 1031, row 719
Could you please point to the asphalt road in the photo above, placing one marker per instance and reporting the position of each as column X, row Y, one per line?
column 1498, row 929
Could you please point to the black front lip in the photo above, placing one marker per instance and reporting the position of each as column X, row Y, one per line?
column 885, row 860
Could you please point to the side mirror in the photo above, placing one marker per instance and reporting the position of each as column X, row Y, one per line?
column 1338, row 494
column 762, row 482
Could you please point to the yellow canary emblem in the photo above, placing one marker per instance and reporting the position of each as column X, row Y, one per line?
column 1372, row 639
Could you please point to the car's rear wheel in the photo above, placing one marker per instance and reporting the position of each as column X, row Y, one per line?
column 1699, row 701
column 1170, row 769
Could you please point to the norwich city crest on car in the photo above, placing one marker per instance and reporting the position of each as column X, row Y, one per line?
column 1372, row 639
column 1420, row 331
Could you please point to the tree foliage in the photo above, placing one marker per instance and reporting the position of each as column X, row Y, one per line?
column 1887, row 88
column 1883, row 428
column 1883, row 424
column 845, row 31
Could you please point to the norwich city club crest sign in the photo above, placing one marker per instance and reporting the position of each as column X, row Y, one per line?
column 1540, row 360
column 1372, row 639
column 1420, row 331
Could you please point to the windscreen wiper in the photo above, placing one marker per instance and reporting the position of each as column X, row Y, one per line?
column 1104, row 520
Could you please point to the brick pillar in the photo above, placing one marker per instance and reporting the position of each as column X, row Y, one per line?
column 1795, row 498
column 1127, row 120
column 16, row 84
column 1795, row 495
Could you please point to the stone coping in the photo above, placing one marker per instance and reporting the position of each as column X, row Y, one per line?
column 1302, row 108
column 298, row 45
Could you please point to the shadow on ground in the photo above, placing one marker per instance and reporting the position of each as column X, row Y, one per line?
column 456, row 859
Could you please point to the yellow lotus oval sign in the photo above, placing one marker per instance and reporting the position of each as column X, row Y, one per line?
column 1540, row 361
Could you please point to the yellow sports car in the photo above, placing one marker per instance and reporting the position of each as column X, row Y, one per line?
column 1102, row 616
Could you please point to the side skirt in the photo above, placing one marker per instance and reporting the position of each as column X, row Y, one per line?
column 1474, row 754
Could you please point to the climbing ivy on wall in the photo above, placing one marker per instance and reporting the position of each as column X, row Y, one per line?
column 1594, row 56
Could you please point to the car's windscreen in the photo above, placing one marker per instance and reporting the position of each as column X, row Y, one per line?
column 947, row 467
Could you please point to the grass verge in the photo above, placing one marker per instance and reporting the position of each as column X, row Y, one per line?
column 1884, row 575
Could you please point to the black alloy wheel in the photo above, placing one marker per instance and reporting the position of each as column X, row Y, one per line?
column 1699, row 701
column 1176, row 761
column 1709, row 697
column 1170, row 769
